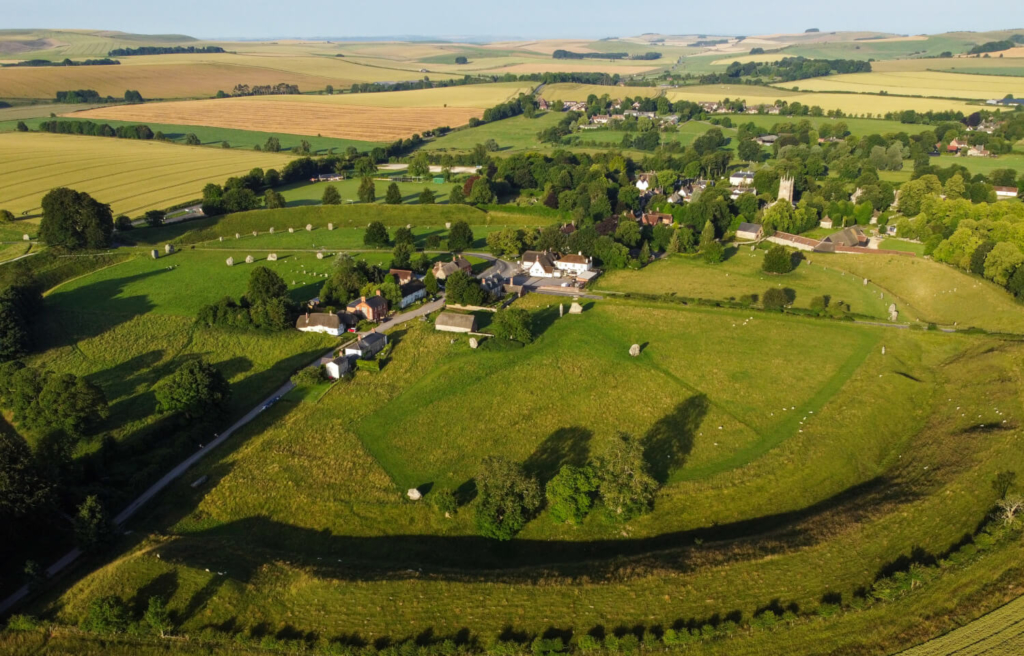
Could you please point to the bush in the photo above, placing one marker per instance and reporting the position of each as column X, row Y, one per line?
column 777, row 261
column 445, row 502
column 713, row 253
column 775, row 299
column 308, row 377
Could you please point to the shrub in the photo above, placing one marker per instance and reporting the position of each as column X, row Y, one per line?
column 777, row 261
column 713, row 253
column 775, row 299
column 445, row 502
column 308, row 377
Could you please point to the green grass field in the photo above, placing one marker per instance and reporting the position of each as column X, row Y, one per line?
column 306, row 193
column 741, row 275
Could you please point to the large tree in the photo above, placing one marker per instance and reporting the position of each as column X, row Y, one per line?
column 570, row 493
column 460, row 237
column 508, row 498
column 331, row 196
column 75, row 220
column 265, row 285
column 367, row 190
column 196, row 389
column 626, row 485
column 376, row 235
column 22, row 487
column 393, row 195
column 93, row 528
column 777, row 260
column 514, row 324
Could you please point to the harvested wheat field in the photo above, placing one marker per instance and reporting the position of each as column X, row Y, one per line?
column 295, row 117
column 919, row 83
column 132, row 176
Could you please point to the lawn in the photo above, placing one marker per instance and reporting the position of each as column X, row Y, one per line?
column 131, row 176
column 741, row 275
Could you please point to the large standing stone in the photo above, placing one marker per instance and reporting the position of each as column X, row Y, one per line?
column 865, row 281
column 154, row 253
column 414, row 494
column 238, row 236
column 272, row 257
column 634, row 350
column 448, row 225
column 249, row 259
column 220, row 238
column 230, row 261
column 473, row 343
column 291, row 230
column 271, row 231
column 330, row 226
column 575, row 308
column 561, row 310
column 320, row 255
column 309, row 227
column 25, row 237
column 255, row 233
column 169, row 248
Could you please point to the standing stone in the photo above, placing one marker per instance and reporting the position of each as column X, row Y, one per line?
column 575, row 308
column 272, row 257
column 231, row 261
column 271, row 231
column 169, row 248
column 255, row 233
column 473, row 343
column 448, row 225
column 414, row 494
column 883, row 350
column 291, row 230
column 249, row 259
column 865, row 282
column 154, row 253
column 309, row 227
column 634, row 350
column 408, row 226
column 330, row 226
column 220, row 238
column 320, row 255
column 25, row 237
column 561, row 310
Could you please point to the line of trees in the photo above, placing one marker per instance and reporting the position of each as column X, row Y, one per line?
column 89, row 128
column 163, row 50
column 66, row 62
column 568, row 54
column 280, row 89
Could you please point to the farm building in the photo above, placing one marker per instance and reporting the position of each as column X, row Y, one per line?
column 767, row 139
column 321, row 322
column 444, row 269
column 370, row 345
column 412, row 291
column 1002, row 193
column 750, row 231
column 852, row 236
column 337, row 367
column 373, row 308
column 450, row 322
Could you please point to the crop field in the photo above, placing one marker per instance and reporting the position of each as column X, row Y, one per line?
column 924, row 83
column 984, row 165
column 741, row 275
column 999, row 633
column 132, row 176
column 363, row 117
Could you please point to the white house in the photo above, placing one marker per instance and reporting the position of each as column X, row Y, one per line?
column 741, row 178
column 337, row 367
column 540, row 264
column 643, row 182
column 412, row 291
column 575, row 264
column 1002, row 193
column 320, row 322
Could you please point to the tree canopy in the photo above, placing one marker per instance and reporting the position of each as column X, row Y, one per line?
column 74, row 220
column 196, row 389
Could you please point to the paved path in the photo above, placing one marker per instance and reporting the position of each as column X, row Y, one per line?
column 184, row 466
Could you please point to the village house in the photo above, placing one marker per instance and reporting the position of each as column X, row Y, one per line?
column 371, row 308
column 451, row 322
column 643, row 181
column 368, row 346
column 600, row 119
column 767, row 139
column 402, row 276
column 542, row 104
column 741, row 178
column 337, row 367
column 736, row 192
column 1003, row 193
column 321, row 322
column 850, row 237
column 328, row 177
column 444, row 269
column 978, row 151
column 749, row 231
column 574, row 264
column 539, row 264
column 655, row 218
column 412, row 291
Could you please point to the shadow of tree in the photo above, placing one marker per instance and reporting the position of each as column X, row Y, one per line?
column 670, row 439
column 163, row 586
column 566, row 446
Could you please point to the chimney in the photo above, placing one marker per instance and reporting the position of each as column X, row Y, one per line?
column 362, row 299
column 579, row 252
column 378, row 292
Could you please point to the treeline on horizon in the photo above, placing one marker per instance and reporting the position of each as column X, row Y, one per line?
column 568, row 54
column 106, row 61
column 601, row 79
column 163, row 50
column 788, row 69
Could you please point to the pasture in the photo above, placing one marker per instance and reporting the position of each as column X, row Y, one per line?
column 383, row 116
column 311, row 495
column 741, row 275
column 132, row 176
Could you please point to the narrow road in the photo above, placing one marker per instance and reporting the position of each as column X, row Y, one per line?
column 155, row 489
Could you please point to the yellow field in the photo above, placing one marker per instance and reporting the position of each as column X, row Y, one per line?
column 132, row 176
column 567, row 91
column 330, row 68
column 994, row 65
column 743, row 59
column 924, row 83
column 853, row 104
column 364, row 117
